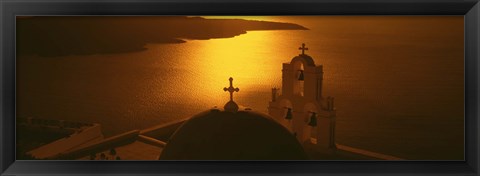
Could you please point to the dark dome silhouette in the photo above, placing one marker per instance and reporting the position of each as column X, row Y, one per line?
column 223, row 135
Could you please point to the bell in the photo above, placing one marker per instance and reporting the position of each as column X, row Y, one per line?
column 313, row 120
column 300, row 77
column 288, row 116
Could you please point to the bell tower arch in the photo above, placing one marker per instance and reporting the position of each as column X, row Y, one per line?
column 299, row 78
column 310, row 117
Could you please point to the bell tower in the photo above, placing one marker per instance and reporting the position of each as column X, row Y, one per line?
column 301, row 107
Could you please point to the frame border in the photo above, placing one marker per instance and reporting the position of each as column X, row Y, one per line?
column 11, row 8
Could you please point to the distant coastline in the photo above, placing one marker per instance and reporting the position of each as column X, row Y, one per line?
column 83, row 35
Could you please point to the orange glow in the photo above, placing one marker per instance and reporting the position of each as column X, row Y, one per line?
column 132, row 73
column 237, row 58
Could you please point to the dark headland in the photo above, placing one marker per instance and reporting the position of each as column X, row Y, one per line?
column 83, row 35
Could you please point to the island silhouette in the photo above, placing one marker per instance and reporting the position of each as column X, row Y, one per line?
column 85, row 35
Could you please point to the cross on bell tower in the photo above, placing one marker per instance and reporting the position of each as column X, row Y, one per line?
column 303, row 48
column 231, row 105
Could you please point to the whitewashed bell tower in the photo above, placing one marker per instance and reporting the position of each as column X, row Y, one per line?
column 301, row 107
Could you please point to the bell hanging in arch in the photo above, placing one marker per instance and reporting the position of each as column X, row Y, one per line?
column 288, row 116
column 313, row 120
column 300, row 76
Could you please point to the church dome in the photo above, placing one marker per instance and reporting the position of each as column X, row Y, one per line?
column 225, row 135
column 306, row 59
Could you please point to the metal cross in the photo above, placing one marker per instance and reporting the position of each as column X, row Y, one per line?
column 231, row 89
column 303, row 48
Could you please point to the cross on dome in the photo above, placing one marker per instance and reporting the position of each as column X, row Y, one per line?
column 231, row 89
column 303, row 48
column 231, row 106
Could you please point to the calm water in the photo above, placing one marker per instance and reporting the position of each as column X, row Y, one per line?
column 398, row 81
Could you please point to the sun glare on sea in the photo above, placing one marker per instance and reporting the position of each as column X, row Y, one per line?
column 241, row 58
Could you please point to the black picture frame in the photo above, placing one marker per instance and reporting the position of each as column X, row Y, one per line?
column 10, row 8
